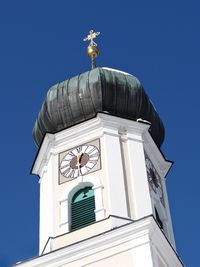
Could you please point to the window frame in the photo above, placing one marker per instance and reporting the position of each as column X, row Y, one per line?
column 66, row 198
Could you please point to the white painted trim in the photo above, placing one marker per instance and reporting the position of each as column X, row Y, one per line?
column 170, row 226
column 55, row 143
column 162, row 166
column 141, row 233
column 99, row 208
column 112, row 162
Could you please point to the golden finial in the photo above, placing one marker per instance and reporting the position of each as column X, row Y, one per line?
column 92, row 49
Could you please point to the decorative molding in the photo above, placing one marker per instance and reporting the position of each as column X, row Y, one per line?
column 43, row 152
column 160, row 163
column 62, row 224
column 129, row 236
column 63, row 200
column 102, row 123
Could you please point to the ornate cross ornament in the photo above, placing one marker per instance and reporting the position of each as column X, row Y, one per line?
column 92, row 49
column 92, row 35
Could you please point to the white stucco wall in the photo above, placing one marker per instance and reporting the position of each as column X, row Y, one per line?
column 121, row 184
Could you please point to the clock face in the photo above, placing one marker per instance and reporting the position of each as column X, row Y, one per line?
column 154, row 179
column 79, row 161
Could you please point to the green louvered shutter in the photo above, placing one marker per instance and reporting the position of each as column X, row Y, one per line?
column 158, row 219
column 82, row 208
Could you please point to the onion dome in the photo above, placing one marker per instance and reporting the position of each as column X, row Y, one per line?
column 99, row 90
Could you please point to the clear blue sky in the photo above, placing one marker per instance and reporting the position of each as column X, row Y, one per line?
column 41, row 44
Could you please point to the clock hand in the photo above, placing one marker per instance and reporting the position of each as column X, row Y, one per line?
column 78, row 164
column 80, row 159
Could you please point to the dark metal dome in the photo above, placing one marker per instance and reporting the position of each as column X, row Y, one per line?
column 99, row 90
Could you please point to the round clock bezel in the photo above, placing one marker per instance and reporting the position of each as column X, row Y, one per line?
column 79, row 161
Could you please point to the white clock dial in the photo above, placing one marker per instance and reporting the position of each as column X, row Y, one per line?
column 79, row 161
column 153, row 178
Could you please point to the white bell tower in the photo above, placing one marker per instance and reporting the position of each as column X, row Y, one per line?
column 103, row 198
column 128, row 181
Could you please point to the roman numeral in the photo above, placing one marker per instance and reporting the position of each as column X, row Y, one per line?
column 92, row 161
column 71, row 174
column 71, row 153
column 87, row 168
column 95, row 155
column 65, row 173
column 90, row 149
column 64, row 166
column 78, row 149
column 79, row 172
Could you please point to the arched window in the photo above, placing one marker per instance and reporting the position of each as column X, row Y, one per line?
column 82, row 208
column 158, row 219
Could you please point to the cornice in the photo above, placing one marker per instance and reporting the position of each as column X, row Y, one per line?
column 93, row 128
column 143, row 231
column 154, row 153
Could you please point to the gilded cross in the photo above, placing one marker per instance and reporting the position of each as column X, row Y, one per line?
column 92, row 35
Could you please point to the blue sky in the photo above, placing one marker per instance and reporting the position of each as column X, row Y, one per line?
column 41, row 44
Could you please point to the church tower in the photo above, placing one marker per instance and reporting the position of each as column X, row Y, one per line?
column 103, row 198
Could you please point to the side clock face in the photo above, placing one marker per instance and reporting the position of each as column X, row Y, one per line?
column 154, row 178
column 79, row 161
